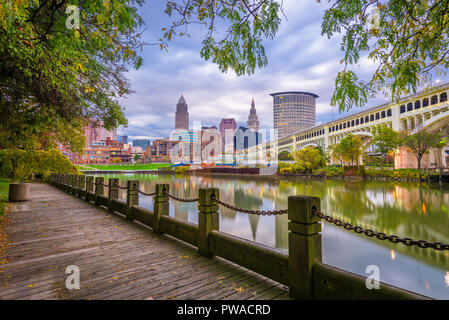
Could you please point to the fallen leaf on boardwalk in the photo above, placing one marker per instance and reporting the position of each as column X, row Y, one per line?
column 31, row 285
column 5, row 285
column 221, row 278
column 115, row 278
column 185, row 257
column 116, row 227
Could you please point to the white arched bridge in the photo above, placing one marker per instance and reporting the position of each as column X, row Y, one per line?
column 428, row 110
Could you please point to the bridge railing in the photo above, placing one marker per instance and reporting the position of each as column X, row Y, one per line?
column 302, row 269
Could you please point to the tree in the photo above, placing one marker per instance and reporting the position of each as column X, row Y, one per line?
column 440, row 145
column 385, row 139
column 420, row 142
column 308, row 159
column 55, row 74
column 405, row 40
column 349, row 148
column 136, row 157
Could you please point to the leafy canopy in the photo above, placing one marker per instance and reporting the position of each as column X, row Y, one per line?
column 308, row 159
column 407, row 41
column 52, row 78
column 348, row 148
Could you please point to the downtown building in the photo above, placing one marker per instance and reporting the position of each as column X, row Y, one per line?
column 293, row 111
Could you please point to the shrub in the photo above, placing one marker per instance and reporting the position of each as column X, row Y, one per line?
column 182, row 169
column 20, row 164
column 286, row 170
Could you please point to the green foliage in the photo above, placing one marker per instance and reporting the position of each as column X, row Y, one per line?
column 406, row 41
column 4, row 190
column 420, row 142
column 20, row 164
column 331, row 171
column 182, row 169
column 385, row 139
column 242, row 25
column 307, row 159
column 348, row 149
column 140, row 166
column 398, row 173
column 284, row 156
column 53, row 78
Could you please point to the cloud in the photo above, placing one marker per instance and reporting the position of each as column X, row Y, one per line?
column 299, row 59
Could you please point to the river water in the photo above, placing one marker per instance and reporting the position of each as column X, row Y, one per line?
column 403, row 209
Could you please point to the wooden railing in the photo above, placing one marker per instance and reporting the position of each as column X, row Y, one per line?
column 302, row 269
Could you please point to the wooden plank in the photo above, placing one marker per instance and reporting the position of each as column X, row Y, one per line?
column 117, row 259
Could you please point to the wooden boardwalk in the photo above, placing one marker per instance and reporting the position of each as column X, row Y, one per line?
column 117, row 259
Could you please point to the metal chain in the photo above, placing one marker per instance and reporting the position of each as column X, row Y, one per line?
column 146, row 194
column 105, row 185
column 123, row 188
column 256, row 212
column 179, row 199
column 382, row 236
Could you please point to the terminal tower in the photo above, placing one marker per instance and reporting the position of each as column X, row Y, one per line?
column 181, row 115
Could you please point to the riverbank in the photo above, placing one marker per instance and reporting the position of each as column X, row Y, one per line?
column 122, row 167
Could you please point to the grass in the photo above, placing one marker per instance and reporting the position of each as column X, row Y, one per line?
column 4, row 187
column 147, row 166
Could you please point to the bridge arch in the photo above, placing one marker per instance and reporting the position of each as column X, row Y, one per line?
column 310, row 144
column 435, row 123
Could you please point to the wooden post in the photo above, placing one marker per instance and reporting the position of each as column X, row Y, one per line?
column 132, row 197
column 89, row 187
column 62, row 181
column 160, row 206
column 81, row 185
column 74, row 184
column 207, row 219
column 304, row 244
column 99, row 189
column 112, row 192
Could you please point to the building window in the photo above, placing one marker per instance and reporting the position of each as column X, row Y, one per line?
column 389, row 113
column 377, row 116
column 357, row 122
column 382, row 114
column 409, row 106
column 352, row 123
column 425, row 102
column 417, row 104
column 402, row 109
column 443, row 97
column 434, row 100
column 371, row 118
column 367, row 119
column 362, row 120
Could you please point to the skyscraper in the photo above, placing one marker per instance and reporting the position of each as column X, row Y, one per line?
column 293, row 111
column 253, row 120
column 227, row 126
column 181, row 115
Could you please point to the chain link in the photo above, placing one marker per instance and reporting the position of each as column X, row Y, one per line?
column 180, row 199
column 256, row 212
column 382, row 236
column 146, row 194
column 123, row 188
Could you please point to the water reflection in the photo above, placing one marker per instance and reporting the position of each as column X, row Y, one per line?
column 403, row 209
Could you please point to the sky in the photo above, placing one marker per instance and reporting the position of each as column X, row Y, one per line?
column 299, row 59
